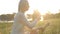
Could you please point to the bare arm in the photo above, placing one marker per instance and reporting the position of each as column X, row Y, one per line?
column 30, row 25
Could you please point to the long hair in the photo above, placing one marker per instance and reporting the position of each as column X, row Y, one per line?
column 23, row 5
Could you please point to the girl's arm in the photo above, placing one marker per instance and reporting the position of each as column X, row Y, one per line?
column 30, row 25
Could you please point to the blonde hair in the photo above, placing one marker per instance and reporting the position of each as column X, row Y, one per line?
column 23, row 5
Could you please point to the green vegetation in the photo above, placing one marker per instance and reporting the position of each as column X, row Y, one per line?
column 54, row 28
column 53, row 19
column 5, row 28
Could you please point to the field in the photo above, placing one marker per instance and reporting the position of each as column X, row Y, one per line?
column 5, row 28
column 53, row 28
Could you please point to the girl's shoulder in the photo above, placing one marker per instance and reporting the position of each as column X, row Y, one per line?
column 19, row 15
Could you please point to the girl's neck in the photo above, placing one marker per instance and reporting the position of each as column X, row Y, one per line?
column 22, row 11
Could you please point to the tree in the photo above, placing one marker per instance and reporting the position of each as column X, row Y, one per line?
column 51, row 16
column 7, row 17
column 3, row 17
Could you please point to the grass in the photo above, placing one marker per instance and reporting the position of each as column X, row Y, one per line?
column 4, row 28
column 54, row 27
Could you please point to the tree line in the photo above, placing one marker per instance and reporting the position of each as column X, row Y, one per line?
column 45, row 17
column 51, row 16
column 36, row 13
column 7, row 17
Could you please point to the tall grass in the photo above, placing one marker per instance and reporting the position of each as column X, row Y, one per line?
column 5, row 28
column 53, row 28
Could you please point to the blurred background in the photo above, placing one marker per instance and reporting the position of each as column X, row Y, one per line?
column 48, row 10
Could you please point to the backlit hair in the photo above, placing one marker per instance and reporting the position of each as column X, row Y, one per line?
column 23, row 5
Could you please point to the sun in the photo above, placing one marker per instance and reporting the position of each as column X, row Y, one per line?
column 42, row 12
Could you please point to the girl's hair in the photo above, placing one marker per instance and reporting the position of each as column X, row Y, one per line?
column 23, row 5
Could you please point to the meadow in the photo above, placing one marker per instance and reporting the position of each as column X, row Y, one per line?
column 53, row 28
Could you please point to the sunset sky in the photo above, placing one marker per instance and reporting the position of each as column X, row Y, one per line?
column 11, row 6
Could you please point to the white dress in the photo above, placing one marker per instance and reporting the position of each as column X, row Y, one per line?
column 19, row 22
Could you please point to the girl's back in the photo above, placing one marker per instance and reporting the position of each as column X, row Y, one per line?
column 18, row 26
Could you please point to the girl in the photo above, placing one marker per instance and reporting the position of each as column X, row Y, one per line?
column 20, row 21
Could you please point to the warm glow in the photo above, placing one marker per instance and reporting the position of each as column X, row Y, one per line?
column 10, row 6
column 41, row 18
column 44, row 6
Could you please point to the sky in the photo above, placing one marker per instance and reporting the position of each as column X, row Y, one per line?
column 8, row 6
column 11, row 6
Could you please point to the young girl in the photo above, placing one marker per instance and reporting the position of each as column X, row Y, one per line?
column 20, row 21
